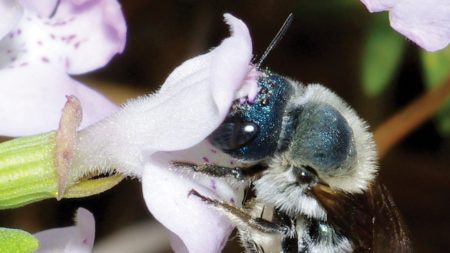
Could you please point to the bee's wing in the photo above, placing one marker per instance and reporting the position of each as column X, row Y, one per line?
column 371, row 220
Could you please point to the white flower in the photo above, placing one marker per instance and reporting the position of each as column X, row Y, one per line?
column 147, row 134
column 38, row 52
column 74, row 239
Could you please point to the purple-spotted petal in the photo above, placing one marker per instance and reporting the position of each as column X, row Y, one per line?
column 89, row 49
column 166, row 193
column 80, row 37
column 75, row 239
column 200, row 227
column 33, row 97
column 427, row 23
column 10, row 12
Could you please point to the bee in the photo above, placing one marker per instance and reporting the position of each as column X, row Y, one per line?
column 311, row 165
column 312, row 168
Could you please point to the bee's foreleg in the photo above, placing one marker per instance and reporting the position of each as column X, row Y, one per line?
column 241, row 218
column 213, row 170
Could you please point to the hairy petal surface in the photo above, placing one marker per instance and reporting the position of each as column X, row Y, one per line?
column 182, row 114
column 149, row 133
column 75, row 239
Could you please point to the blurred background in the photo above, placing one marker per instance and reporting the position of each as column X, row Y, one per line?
column 329, row 42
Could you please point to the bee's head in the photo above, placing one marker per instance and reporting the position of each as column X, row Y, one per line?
column 306, row 135
column 251, row 131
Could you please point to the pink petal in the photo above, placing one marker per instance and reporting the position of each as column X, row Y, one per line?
column 230, row 64
column 379, row 5
column 226, row 68
column 200, row 227
column 166, row 194
column 77, row 39
column 43, row 8
column 10, row 13
column 33, row 97
column 94, row 47
column 427, row 23
column 177, row 244
column 192, row 102
column 75, row 239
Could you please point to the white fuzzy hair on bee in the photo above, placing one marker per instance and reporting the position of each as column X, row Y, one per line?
column 364, row 168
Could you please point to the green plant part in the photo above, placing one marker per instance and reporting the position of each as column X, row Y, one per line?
column 39, row 167
column 17, row 241
column 436, row 67
column 28, row 173
column 381, row 56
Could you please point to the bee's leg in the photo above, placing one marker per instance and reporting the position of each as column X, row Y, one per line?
column 289, row 242
column 213, row 170
column 243, row 219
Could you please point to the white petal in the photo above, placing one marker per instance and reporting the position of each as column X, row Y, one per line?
column 427, row 23
column 192, row 102
column 200, row 227
column 75, row 239
column 33, row 97
column 230, row 64
column 379, row 5
column 43, row 8
column 10, row 12
column 77, row 39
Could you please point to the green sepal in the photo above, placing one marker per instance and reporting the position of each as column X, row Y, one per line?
column 27, row 170
column 436, row 67
column 91, row 187
column 17, row 241
column 28, row 173
column 381, row 55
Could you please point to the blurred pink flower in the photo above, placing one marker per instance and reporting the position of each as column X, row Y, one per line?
column 41, row 44
column 426, row 22
column 74, row 239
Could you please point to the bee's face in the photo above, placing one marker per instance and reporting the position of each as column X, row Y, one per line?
column 306, row 135
column 252, row 130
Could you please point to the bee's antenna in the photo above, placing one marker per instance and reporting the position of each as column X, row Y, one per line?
column 276, row 39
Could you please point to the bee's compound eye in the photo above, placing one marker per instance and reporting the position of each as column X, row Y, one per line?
column 233, row 135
